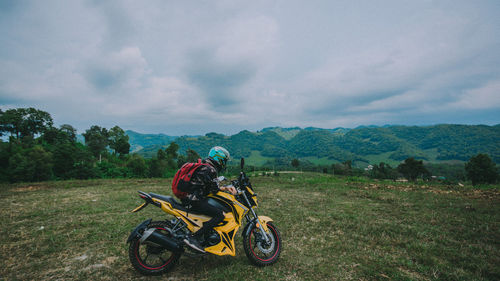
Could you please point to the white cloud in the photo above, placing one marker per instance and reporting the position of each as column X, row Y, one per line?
column 221, row 64
column 484, row 97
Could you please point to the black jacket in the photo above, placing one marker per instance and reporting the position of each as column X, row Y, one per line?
column 203, row 182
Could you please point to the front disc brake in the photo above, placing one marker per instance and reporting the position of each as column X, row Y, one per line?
column 264, row 247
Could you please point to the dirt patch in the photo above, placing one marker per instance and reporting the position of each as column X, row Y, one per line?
column 30, row 188
column 109, row 261
column 484, row 194
column 457, row 190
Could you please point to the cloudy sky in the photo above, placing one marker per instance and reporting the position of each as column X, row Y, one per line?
column 192, row 67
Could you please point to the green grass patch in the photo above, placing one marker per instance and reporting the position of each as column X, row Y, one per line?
column 383, row 157
column 333, row 228
column 256, row 159
column 319, row 161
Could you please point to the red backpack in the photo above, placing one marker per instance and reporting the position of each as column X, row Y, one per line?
column 183, row 177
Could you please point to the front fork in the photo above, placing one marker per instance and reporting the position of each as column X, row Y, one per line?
column 259, row 223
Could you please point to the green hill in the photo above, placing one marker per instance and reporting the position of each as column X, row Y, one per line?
column 140, row 141
column 390, row 144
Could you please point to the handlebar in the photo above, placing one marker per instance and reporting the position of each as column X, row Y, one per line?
column 241, row 181
column 238, row 190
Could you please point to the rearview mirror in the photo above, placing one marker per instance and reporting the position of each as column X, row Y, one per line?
column 242, row 164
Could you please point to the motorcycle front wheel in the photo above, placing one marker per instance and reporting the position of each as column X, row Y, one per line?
column 260, row 252
column 149, row 259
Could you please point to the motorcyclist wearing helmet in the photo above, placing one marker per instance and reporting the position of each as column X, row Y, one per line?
column 204, row 181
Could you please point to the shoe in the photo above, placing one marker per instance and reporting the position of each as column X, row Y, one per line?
column 192, row 242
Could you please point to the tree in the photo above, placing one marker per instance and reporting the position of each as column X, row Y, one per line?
column 157, row 168
column 83, row 167
column 161, row 154
column 344, row 168
column 481, row 169
column 383, row 171
column 34, row 164
column 172, row 155
column 295, row 163
column 412, row 169
column 137, row 166
column 2, row 125
column 42, row 161
column 192, row 156
column 23, row 122
column 65, row 134
column 64, row 156
column 118, row 140
column 70, row 131
column 172, row 150
column 158, row 165
column 96, row 138
column 181, row 160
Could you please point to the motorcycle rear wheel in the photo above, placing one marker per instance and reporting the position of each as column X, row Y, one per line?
column 256, row 249
column 151, row 260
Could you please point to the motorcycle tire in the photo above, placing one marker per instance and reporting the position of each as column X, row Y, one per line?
column 256, row 249
column 151, row 260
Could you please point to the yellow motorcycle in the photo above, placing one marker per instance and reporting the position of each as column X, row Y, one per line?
column 156, row 246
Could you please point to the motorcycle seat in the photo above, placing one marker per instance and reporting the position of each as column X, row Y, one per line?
column 175, row 204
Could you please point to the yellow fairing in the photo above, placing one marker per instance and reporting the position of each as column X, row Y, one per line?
column 238, row 210
column 138, row 208
column 230, row 225
column 193, row 221
column 253, row 196
column 228, row 228
column 227, row 231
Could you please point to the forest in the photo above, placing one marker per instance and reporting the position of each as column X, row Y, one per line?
column 32, row 149
column 393, row 144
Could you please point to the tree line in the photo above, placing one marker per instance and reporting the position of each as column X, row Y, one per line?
column 480, row 169
column 38, row 151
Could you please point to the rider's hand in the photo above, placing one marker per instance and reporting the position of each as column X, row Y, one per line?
column 229, row 188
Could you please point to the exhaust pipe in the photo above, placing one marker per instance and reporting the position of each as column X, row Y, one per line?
column 151, row 237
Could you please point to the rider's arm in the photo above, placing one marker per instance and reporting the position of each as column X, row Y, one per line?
column 208, row 177
column 212, row 183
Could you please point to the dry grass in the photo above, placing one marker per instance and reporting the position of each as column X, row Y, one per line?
column 332, row 229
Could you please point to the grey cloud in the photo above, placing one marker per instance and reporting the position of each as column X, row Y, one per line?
column 11, row 99
column 327, row 63
column 119, row 71
column 344, row 105
column 218, row 81
column 118, row 22
column 9, row 6
column 102, row 78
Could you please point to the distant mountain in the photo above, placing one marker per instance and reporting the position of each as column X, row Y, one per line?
column 140, row 141
column 368, row 144
column 286, row 133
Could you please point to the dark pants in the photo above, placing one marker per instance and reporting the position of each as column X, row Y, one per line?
column 203, row 207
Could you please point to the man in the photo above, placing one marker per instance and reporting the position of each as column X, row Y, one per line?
column 203, row 182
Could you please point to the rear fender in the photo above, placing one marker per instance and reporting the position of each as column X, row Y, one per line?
column 136, row 231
